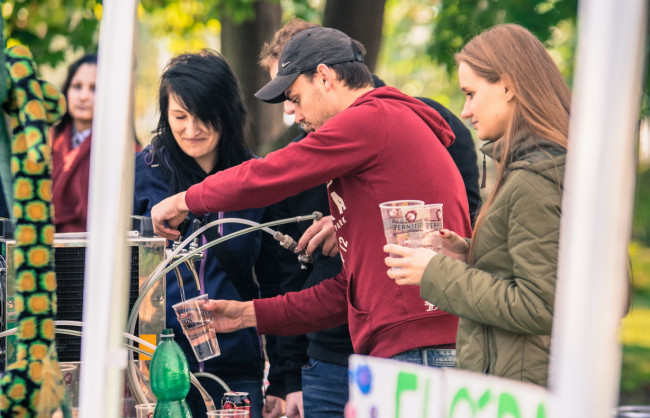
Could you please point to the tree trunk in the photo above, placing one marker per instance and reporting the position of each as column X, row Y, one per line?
column 241, row 44
column 361, row 20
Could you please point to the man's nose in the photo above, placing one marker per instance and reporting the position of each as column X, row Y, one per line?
column 299, row 117
column 289, row 107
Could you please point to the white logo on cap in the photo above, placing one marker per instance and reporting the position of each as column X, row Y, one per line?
column 284, row 64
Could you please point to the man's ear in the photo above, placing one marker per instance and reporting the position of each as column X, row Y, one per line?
column 324, row 74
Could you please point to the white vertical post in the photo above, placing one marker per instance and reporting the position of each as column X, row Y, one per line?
column 597, row 207
column 110, row 206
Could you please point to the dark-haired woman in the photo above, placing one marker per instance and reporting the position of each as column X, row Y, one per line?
column 71, row 143
column 201, row 131
column 71, row 140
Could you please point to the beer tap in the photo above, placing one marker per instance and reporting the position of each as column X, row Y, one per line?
column 290, row 244
column 184, row 229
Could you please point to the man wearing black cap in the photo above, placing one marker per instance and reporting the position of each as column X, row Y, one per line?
column 311, row 373
column 369, row 146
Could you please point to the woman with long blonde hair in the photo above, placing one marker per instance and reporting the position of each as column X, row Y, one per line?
column 501, row 283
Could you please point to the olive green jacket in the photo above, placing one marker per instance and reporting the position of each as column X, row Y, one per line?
column 505, row 297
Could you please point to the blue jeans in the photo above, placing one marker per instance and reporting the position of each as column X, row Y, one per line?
column 324, row 389
column 434, row 357
column 253, row 387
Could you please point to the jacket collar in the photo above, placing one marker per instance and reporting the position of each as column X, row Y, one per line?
column 528, row 150
column 526, row 144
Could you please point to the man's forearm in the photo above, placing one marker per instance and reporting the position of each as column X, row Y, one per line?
column 248, row 315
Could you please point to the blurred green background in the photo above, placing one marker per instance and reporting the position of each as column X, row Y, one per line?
column 635, row 331
column 410, row 45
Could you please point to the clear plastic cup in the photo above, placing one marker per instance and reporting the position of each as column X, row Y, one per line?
column 70, row 374
column 197, row 327
column 230, row 413
column 403, row 222
column 432, row 225
column 145, row 410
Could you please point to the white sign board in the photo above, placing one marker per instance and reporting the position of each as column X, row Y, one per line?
column 381, row 388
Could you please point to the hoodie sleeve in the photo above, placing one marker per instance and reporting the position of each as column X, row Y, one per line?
column 316, row 308
column 347, row 143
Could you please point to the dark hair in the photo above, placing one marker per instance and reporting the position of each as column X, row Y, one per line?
column 206, row 87
column 72, row 70
column 354, row 74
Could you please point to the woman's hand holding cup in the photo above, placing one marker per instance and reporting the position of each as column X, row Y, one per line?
column 411, row 264
column 453, row 245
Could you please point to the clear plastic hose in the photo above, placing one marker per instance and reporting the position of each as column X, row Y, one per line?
column 209, row 402
column 163, row 269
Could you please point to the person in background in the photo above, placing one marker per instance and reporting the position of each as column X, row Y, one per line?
column 71, row 144
column 201, row 131
column 502, row 284
column 71, row 140
column 314, row 365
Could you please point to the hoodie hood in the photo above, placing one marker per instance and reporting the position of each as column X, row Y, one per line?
column 430, row 116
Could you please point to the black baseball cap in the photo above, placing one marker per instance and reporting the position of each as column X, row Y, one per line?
column 304, row 52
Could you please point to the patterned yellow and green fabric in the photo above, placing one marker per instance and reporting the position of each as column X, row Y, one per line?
column 32, row 386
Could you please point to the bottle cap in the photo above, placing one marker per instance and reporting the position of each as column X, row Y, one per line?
column 167, row 332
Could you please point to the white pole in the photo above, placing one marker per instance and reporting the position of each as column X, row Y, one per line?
column 110, row 206
column 597, row 207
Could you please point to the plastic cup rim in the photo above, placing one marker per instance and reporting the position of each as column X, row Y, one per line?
column 200, row 297
column 388, row 203
column 145, row 405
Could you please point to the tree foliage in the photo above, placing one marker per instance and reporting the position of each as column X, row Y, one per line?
column 50, row 27
column 457, row 21
column 417, row 48
column 552, row 21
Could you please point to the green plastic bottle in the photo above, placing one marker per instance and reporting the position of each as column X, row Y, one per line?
column 170, row 378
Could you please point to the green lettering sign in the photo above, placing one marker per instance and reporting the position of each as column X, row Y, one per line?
column 405, row 382
column 508, row 406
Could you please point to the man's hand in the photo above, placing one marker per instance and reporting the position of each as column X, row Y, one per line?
column 294, row 405
column 321, row 232
column 273, row 407
column 230, row 315
column 168, row 214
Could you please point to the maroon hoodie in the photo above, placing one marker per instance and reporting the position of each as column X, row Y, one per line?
column 385, row 146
